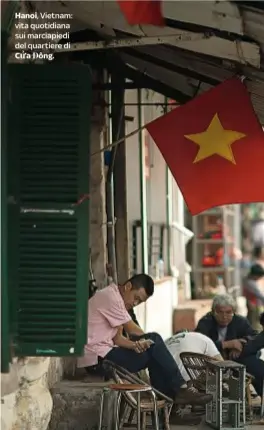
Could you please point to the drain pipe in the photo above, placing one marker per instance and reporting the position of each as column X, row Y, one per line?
column 110, row 216
column 168, row 180
column 143, row 196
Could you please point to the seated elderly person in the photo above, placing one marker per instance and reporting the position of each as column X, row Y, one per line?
column 231, row 332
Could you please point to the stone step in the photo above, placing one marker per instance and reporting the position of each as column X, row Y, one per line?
column 76, row 406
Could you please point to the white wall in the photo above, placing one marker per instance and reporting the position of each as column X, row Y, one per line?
column 156, row 187
column 156, row 183
column 153, row 317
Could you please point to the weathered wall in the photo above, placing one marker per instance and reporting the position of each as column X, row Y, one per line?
column 26, row 399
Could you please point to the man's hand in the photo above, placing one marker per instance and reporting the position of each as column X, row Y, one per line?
column 234, row 354
column 236, row 344
column 142, row 345
column 243, row 341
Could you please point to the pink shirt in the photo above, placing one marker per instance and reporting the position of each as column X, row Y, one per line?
column 106, row 313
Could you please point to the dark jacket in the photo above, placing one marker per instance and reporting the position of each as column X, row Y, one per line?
column 239, row 328
column 253, row 346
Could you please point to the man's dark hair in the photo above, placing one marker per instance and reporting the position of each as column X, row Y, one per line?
column 261, row 319
column 183, row 330
column 257, row 252
column 256, row 271
column 142, row 281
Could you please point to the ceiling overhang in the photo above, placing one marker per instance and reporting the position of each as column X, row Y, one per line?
column 226, row 39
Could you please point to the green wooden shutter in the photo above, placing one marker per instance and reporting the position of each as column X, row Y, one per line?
column 48, row 165
column 5, row 340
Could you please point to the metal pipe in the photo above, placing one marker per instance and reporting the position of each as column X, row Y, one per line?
column 110, row 229
column 168, row 180
column 143, row 196
column 115, row 131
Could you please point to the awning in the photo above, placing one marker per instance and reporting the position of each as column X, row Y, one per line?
column 225, row 39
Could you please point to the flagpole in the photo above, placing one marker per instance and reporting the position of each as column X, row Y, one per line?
column 143, row 194
column 117, row 142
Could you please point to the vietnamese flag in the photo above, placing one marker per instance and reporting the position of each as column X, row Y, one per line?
column 214, row 147
column 140, row 12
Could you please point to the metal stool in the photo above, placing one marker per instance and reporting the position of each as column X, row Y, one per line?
column 128, row 388
column 226, row 381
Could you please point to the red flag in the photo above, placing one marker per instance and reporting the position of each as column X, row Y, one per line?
column 138, row 12
column 214, row 147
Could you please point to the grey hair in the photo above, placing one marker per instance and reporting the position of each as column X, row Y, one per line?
column 224, row 300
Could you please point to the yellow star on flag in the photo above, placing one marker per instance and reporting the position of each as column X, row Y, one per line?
column 215, row 140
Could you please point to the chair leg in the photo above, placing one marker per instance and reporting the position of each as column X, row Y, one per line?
column 131, row 416
column 122, row 408
column 153, row 420
column 249, row 402
column 144, row 421
column 118, row 400
column 101, row 410
column 155, row 411
column 166, row 418
column 138, row 411
column 123, row 414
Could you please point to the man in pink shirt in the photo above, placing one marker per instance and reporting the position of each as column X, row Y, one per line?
column 108, row 316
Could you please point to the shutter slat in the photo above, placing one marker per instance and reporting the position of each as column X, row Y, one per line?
column 50, row 136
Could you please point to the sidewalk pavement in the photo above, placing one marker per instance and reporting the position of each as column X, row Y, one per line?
column 203, row 426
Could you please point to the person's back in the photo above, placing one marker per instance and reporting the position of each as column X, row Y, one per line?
column 102, row 324
column 190, row 342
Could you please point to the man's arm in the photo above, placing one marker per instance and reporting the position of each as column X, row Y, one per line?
column 134, row 319
column 253, row 346
column 138, row 346
column 114, row 311
column 122, row 341
column 218, row 357
column 133, row 329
